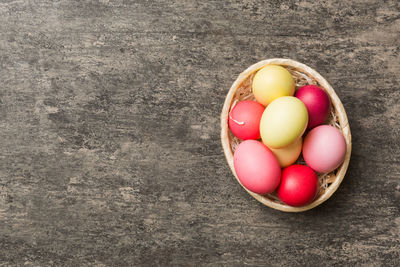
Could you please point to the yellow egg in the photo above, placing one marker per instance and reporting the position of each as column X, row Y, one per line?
column 271, row 82
column 283, row 121
column 289, row 154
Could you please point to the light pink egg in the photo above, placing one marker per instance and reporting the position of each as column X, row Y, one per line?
column 324, row 148
column 256, row 167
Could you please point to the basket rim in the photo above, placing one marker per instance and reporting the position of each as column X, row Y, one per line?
column 336, row 102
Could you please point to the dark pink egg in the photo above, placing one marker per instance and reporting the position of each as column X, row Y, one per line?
column 317, row 103
column 244, row 119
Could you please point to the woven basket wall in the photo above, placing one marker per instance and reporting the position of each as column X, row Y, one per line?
column 303, row 75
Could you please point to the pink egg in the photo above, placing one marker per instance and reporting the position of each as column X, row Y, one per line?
column 244, row 119
column 324, row 148
column 317, row 103
column 256, row 167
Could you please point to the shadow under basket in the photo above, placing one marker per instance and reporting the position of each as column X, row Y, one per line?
column 303, row 75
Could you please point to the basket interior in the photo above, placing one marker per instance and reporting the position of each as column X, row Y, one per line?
column 243, row 92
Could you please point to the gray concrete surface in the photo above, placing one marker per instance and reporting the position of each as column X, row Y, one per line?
column 109, row 133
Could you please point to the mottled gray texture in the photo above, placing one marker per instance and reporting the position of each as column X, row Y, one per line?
column 110, row 151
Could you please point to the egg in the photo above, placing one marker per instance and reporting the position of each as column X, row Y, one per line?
column 283, row 121
column 324, row 148
column 289, row 154
column 256, row 167
column 244, row 119
column 317, row 103
column 271, row 82
column 298, row 186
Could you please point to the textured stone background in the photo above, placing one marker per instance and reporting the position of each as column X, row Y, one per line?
column 109, row 132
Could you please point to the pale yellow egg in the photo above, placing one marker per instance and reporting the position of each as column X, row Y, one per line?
column 271, row 82
column 283, row 121
column 289, row 154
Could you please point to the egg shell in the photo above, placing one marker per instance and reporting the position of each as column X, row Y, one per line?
column 299, row 185
column 256, row 167
column 324, row 148
column 317, row 103
column 271, row 82
column 289, row 154
column 283, row 121
column 244, row 119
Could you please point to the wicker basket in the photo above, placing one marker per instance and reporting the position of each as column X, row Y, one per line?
column 302, row 74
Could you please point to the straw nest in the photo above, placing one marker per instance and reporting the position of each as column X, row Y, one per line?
column 303, row 75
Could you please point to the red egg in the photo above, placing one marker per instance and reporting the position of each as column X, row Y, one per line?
column 244, row 119
column 317, row 103
column 299, row 185
column 256, row 167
